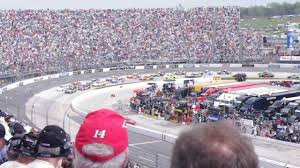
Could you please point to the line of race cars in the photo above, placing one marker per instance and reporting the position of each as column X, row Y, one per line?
column 103, row 82
column 88, row 84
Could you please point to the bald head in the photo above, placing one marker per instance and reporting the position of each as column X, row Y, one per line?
column 213, row 145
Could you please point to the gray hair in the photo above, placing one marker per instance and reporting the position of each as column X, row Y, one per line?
column 101, row 150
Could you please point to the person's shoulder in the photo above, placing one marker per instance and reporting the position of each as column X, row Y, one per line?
column 39, row 164
column 12, row 164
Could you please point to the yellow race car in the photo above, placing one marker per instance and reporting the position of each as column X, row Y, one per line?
column 170, row 77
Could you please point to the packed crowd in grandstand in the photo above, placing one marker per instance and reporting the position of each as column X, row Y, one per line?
column 43, row 40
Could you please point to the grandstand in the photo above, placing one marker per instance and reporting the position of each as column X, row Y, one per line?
column 47, row 40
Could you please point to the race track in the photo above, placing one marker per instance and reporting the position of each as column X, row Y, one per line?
column 57, row 108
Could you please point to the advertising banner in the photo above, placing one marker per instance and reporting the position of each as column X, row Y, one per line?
column 285, row 58
column 106, row 69
column 274, row 65
column 188, row 65
column 161, row 66
column 63, row 74
column 139, row 67
column 290, row 39
column 248, row 65
column 235, row 65
column 54, row 76
column 88, row 71
column 261, row 65
column 38, row 79
column 99, row 70
column 133, row 67
column 76, row 72
column 215, row 65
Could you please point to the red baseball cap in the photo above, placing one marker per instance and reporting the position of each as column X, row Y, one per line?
column 106, row 127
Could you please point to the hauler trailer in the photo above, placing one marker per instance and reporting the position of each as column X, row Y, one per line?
column 281, row 106
column 260, row 104
column 240, row 100
column 281, row 95
column 226, row 99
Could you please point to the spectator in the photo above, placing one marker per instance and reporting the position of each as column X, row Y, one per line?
column 52, row 146
column 16, row 128
column 213, row 145
column 3, row 145
column 23, row 146
column 102, row 141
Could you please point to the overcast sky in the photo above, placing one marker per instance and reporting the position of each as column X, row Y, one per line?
column 109, row 4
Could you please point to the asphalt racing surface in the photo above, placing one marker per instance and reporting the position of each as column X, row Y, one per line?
column 143, row 148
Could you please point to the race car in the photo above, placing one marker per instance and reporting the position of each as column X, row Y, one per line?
column 133, row 76
column 209, row 73
column 62, row 88
column 159, row 74
column 99, row 84
column 84, row 87
column 192, row 75
column 179, row 73
column 224, row 72
column 293, row 76
column 240, row 77
column 265, row 75
column 146, row 77
column 112, row 79
column 170, row 77
column 70, row 91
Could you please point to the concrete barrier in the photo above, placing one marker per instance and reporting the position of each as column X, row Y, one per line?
column 235, row 65
column 106, row 69
column 261, row 65
column 215, row 65
column 289, row 65
column 140, row 67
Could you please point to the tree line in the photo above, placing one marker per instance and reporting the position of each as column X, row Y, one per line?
column 272, row 9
